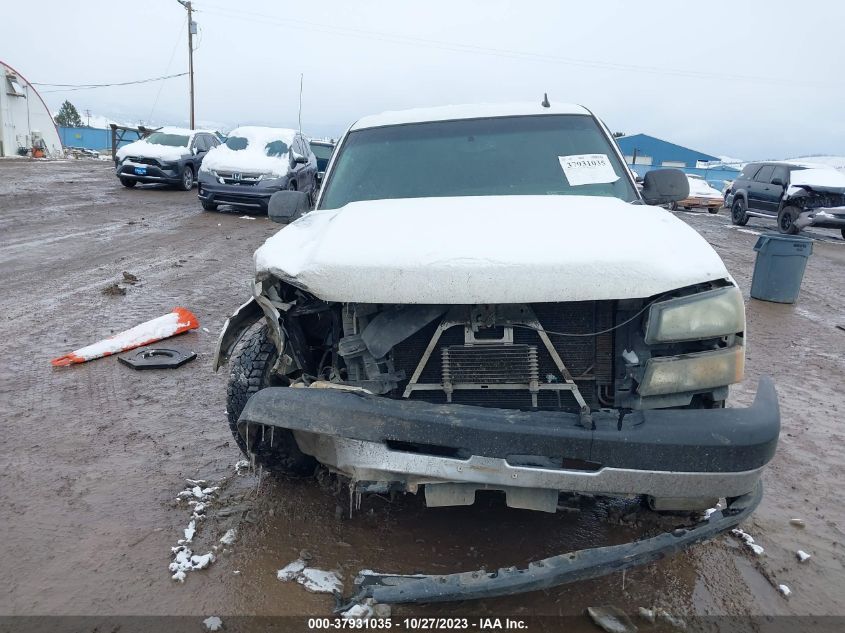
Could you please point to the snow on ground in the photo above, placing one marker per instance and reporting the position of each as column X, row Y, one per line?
column 749, row 541
column 314, row 580
column 184, row 559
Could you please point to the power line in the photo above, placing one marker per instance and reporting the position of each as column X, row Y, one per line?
column 73, row 87
column 263, row 18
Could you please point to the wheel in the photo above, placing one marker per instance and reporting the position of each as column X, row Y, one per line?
column 786, row 220
column 208, row 206
column 275, row 449
column 738, row 215
column 843, row 234
column 128, row 183
column 714, row 210
column 674, row 206
column 186, row 183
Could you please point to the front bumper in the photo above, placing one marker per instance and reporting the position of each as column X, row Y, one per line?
column 677, row 453
column 152, row 173
column 553, row 571
column 250, row 196
column 824, row 218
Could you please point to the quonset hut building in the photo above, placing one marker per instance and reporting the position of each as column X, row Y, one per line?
column 25, row 121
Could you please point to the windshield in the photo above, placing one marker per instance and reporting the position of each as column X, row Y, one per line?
column 272, row 149
column 276, row 148
column 522, row 155
column 172, row 140
column 322, row 151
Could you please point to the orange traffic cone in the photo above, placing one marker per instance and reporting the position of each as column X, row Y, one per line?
column 176, row 322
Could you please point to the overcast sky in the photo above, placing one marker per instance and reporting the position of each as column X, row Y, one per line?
column 750, row 78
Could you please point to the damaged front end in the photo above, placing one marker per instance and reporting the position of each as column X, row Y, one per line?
column 814, row 205
column 614, row 398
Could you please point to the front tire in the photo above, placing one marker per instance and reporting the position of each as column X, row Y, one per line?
column 786, row 220
column 738, row 215
column 186, row 182
column 128, row 182
column 208, row 206
column 275, row 449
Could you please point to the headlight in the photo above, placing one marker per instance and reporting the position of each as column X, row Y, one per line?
column 693, row 372
column 709, row 314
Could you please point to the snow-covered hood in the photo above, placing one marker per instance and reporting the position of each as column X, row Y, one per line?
column 253, row 158
column 145, row 149
column 491, row 249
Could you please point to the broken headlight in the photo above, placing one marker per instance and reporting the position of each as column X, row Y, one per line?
column 704, row 315
column 693, row 372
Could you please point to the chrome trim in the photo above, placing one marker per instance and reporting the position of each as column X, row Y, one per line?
column 371, row 461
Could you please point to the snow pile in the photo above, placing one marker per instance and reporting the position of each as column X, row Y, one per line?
column 314, row 580
column 184, row 559
column 229, row 537
column 213, row 623
column 253, row 158
column 749, row 541
column 784, row 590
column 802, row 556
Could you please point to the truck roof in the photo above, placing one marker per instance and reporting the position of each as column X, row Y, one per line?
column 466, row 111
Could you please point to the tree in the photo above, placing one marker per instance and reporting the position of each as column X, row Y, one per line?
column 618, row 134
column 68, row 116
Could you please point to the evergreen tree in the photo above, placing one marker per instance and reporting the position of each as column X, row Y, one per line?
column 68, row 116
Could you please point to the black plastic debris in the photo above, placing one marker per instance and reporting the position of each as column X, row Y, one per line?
column 156, row 358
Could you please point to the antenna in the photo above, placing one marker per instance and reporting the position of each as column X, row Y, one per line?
column 301, row 75
column 545, row 102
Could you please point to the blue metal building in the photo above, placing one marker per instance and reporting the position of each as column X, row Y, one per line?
column 85, row 137
column 644, row 153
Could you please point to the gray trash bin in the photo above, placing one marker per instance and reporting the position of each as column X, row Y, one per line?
column 779, row 269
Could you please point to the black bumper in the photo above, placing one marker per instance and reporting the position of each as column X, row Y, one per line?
column 553, row 571
column 680, row 440
column 250, row 196
column 153, row 174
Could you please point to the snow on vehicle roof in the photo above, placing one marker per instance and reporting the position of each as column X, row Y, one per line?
column 466, row 111
column 818, row 177
column 258, row 134
column 167, row 129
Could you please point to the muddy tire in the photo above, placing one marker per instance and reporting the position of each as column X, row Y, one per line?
column 843, row 233
column 786, row 220
column 738, row 215
column 186, row 180
column 674, row 206
column 276, row 449
column 714, row 210
column 128, row 182
column 208, row 206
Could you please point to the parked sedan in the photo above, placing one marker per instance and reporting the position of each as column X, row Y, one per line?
column 253, row 164
column 701, row 194
column 170, row 156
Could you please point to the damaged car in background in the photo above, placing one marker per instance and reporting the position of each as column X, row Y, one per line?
column 483, row 300
column 796, row 195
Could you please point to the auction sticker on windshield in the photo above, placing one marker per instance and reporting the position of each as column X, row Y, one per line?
column 587, row 169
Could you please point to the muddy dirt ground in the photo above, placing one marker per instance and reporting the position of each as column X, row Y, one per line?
column 92, row 457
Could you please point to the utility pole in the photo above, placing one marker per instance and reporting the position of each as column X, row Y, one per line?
column 192, row 29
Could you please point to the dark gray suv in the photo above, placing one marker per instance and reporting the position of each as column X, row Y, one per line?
column 253, row 164
column 170, row 156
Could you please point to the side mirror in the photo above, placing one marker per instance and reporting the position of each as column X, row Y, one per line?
column 662, row 186
column 286, row 206
column 778, row 181
column 299, row 159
